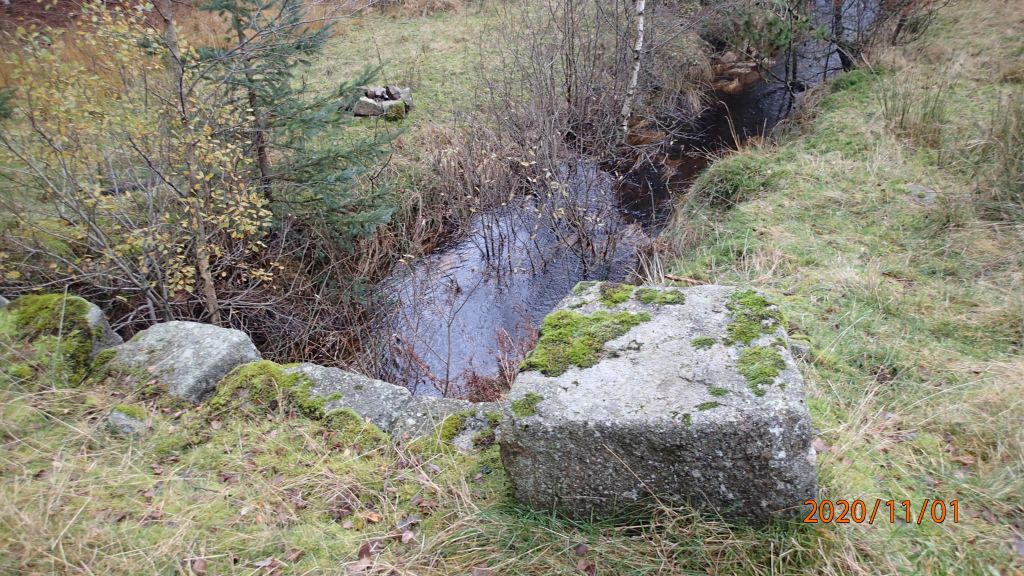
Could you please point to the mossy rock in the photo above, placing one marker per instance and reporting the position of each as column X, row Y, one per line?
column 613, row 293
column 59, row 325
column 760, row 365
column 263, row 386
column 660, row 296
column 570, row 338
column 527, row 405
column 702, row 342
column 132, row 411
column 752, row 315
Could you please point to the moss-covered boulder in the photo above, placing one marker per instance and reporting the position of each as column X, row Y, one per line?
column 264, row 386
column 127, row 419
column 674, row 395
column 72, row 328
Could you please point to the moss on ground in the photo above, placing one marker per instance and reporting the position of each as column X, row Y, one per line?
column 613, row 294
column 718, row 392
column 660, row 296
column 527, row 405
column 760, row 365
column 569, row 338
column 703, row 406
column 752, row 315
column 702, row 342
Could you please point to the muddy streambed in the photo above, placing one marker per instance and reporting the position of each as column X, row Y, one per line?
column 466, row 311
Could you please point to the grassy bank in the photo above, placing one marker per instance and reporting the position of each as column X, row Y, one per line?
column 884, row 246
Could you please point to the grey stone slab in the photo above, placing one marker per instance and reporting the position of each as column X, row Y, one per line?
column 188, row 357
column 659, row 416
column 375, row 400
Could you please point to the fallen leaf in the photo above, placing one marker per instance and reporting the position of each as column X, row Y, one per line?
column 581, row 549
column 819, row 445
column 407, row 536
column 270, row 565
column 199, row 566
column 373, row 517
column 347, row 524
column 587, row 567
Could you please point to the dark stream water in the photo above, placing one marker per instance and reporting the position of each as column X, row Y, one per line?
column 457, row 312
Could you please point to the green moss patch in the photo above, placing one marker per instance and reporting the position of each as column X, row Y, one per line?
column 569, row 338
column 752, row 315
column 527, row 405
column 132, row 411
column 702, row 342
column 583, row 286
column 707, row 406
column 264, row 385
column 718, row 392
column 613, row 294
column 453, row 425
column 662, row 297
column 760, row 365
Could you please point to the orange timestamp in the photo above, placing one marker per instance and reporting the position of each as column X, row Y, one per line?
column 860, row 512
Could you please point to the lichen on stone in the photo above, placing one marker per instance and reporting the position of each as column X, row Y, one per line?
column 702, row 342
column 752, row 315
column 569, row 338
column 660, row 297
column 760, row 365
column 527, row 405
column 613, row 293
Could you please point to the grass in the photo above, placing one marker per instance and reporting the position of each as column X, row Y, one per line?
column 914, row 310
column 914, row 307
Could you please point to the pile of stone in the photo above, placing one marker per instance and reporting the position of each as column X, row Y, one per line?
column 632, row 396
column 391, row 102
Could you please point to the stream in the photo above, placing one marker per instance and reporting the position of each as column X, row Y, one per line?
column 464, row 312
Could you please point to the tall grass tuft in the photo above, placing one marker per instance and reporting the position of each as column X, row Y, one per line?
column 914, row 114
column 1002, row 157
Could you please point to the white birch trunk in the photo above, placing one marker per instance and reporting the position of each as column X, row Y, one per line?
column 638, row 46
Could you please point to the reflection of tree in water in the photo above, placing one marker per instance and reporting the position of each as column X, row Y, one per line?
column 461, row 313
